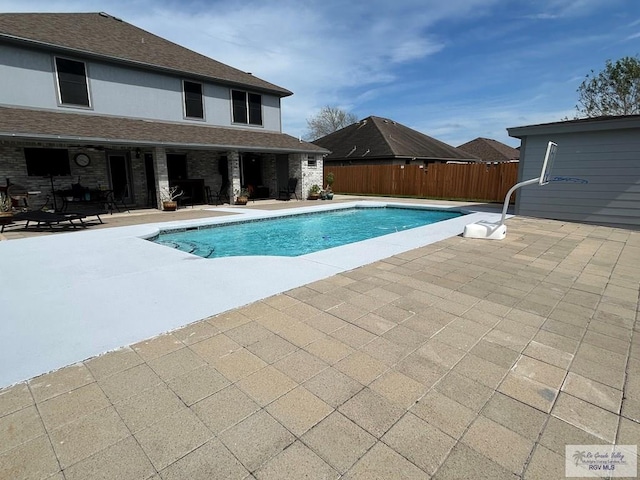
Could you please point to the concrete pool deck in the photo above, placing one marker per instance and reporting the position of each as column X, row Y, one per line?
column 463, row 358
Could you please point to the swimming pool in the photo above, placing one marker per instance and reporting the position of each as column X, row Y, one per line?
column 301, row 234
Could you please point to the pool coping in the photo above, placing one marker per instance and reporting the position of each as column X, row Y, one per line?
column 72, row 296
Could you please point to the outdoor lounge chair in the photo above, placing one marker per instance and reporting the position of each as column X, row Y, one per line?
column 48, row 218
column 285, row 194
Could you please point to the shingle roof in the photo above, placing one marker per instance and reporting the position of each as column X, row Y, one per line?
column 25, row 124
column 376, row 137
column 102, row 35
column 490, row 150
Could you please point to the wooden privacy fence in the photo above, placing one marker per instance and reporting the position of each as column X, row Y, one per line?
column 474, row 181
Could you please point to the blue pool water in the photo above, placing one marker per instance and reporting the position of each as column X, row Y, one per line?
column 299, row 234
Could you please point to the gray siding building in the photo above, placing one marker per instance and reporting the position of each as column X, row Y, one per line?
column 596, row 175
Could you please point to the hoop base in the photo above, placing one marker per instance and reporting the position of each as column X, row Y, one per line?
column 490, row 231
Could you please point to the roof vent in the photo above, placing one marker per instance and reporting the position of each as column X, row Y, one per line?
column 362, row 123
column 352, row 150
column 104, row 14
column 385, row 120
column 367, row 152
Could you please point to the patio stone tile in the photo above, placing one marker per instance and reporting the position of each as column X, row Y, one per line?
column 631, row 409
column 628, row 432
column 329, row 349
column 353, row 336
column 215, row 347
column 361, row 367
column 172, row 437
column 452, row 306
column 419, row 442
column 150, row 406
column 495, row 353
column 78, row 440
column 299, row 410
column 228, row 320
column 257, row 310
column 601, row 356
column 454, row 337
column 297, row 461
column 405, row 337
column 348, row 311
column 499, row 444
column 593, row 392
column 300, row 334
column 440, row 353
column 421, row 369
column 248, row 333
column 256, row 439
column 509, row 340
column 374, row 323
column 71, row 406
column 418, row 323
column 176, row 363
column 34, row 459
column 113, row 362
column 600, row 373
column 19, row 427
column 516, row 416
column 323, row 301
column 195, row 332
column 470, row 327
column 299, row 312
column 437, row 316
column 15, row 398
column 225, row 409
column 548, row 354
column 61, row 381
column 469, row 393
column 487, row 373
column 333, row 387
column 531, row 392
column 381, row 462
column 302, row 294
column 565, row 329
column 338, row 441
column 588, row 417
column 610, row 330
column 539, row 371
column 128, row 383
column 558, row 433
column 398, row 388
column 265, row 385
column 157, row 346
column 197, row 384
column 372, row 412
column 124, row 459
column 281, row 301
column 272, row 348
column 324, row 322
column 208, row 462
column 526, row 318
column 444, row 413
column 464, row 462
column 386, row 351
column 238, row 364
column 300, row 365
column 545, row 464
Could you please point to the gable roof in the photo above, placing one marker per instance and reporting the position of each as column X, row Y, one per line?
column 490, row 150
column 76, row 128
column 105, row 37
column 376, row 137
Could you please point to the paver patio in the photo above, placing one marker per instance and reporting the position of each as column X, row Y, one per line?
column 463, row 359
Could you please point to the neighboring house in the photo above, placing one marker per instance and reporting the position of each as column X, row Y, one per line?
column 88, row 98
column 489, row 150
column 595, row 176
column 380, row 141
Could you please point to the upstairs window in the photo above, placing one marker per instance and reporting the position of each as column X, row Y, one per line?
column 193, row 100
column 247, row 107
column 72, row 82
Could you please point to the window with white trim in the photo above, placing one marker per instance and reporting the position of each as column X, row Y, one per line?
column 247, row 107
column 311, row 161
column 72, row 82
column 193, row 107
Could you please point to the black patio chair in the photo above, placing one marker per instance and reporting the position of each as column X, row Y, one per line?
column 285, row 194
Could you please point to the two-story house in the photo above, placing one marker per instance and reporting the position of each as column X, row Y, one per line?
column 86, row 98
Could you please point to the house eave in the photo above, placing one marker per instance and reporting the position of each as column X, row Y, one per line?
column 580, row 125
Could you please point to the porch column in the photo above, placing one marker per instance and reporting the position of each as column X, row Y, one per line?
column 233, row 158
column 162, row 173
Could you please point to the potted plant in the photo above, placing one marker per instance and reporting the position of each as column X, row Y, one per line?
column 168, row 195
column 242, row 196
column 329, row 189
column 6, row 209
column 314, row 192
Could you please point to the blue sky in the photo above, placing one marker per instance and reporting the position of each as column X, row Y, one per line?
column 452, row 69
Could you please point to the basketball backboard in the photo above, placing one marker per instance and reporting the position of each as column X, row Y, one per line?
column 547, row 164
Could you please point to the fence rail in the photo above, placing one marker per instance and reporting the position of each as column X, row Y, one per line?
column 488, row 182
